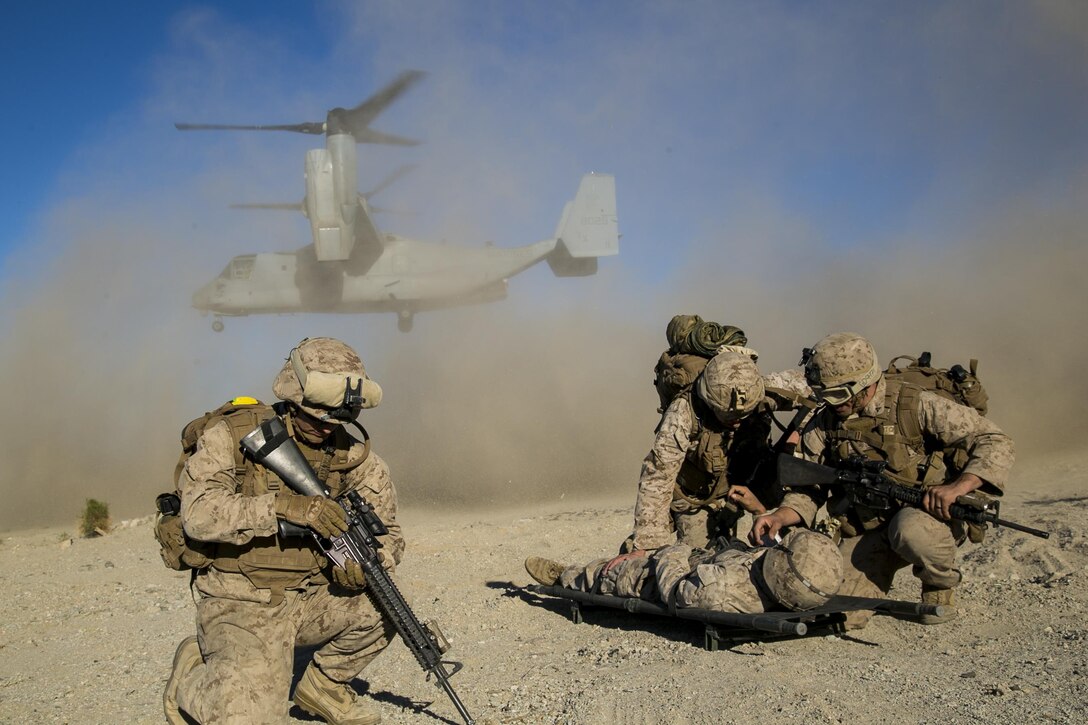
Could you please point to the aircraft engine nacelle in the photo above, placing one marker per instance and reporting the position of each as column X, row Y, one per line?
column 331, row 200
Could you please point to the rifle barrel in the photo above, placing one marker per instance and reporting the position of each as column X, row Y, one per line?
column 1020, row 527
column 444, row 682
column 795, row 472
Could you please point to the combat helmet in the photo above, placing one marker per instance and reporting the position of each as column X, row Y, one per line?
column 731, row 386
column 804, row 570
column 326, row 379
column 840, row 366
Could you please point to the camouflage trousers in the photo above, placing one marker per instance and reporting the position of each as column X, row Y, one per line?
column 910, row 538
column 726, row 581
column 249, row 648
column 699, row 525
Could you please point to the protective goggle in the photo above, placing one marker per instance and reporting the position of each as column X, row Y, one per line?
column 832, row 395
column 837, row 394
column 340, row 396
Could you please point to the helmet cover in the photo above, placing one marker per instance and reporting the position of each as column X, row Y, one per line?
column 326, row 379
column 840, row 366
column 804, row 570
column 730, row 385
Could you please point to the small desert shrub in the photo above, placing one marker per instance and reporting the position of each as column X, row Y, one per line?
column 96, row 518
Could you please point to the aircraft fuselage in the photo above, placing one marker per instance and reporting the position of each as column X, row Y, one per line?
column 409, row 275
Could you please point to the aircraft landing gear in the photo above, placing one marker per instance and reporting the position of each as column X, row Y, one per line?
column 217, row 324
column 404, row 321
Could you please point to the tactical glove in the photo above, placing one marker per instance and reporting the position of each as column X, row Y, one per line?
column 321, row 514
column 349, row 576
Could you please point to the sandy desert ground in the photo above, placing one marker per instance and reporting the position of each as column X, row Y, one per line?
column 88, row 629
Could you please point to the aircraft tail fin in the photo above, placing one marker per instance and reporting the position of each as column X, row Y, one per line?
column 588, row 228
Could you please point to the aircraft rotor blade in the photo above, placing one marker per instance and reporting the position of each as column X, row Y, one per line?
column 371, row 136
column 388, row 180
column 284, row 205
column 312, row 127
column 354, row 121
column 358, row 119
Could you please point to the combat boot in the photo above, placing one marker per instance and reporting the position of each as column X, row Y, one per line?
column 544, row 570
column 946, row 598
column 335, row 702
column 186, row 658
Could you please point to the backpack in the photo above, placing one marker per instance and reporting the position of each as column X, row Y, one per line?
column 177, row 550
column 674, row 374
column 692, row 342
column 956, row 384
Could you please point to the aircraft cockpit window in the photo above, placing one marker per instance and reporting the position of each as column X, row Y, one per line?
column 240, row 267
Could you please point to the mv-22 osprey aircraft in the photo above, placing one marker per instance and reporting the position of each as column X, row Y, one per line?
column 352, row 266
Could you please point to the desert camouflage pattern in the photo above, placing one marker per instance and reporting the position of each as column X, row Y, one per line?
column 212, row 510
column 990, row 451
column 248, row 634
column 845, row 357
column 654, row 526
column 792, row 380
column 804, row 571
column 730, row 582
column 661, row 517
column 630, row 578
column 730, row 384
column 698, row 525
column 725, row 579
column 249, row 650
column 322, row 354
column 910, row 537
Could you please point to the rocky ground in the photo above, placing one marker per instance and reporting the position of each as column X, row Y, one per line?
column 88, row 628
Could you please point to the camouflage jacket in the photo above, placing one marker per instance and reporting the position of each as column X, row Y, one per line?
column 214, row 509
column 679, row 435
column 944, row 425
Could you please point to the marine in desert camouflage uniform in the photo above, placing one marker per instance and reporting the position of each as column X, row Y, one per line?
column 913, row 431
column 262, row 595
column 801, row 573
column 703, row 471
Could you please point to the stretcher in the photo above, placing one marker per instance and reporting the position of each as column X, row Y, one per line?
column 732, row 628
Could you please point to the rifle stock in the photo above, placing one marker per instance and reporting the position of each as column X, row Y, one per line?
column 796, row 473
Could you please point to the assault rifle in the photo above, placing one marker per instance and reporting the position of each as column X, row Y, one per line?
column 271, row 446
column 867, row 485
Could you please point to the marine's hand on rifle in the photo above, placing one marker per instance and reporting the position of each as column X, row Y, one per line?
column 742, row 496
column 939, row 499
column 321, row 514
column 349, row 576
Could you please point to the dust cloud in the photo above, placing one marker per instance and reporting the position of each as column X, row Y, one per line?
column 522, row 401
column 1011, row 295
column 548, row 395
column 482, row 406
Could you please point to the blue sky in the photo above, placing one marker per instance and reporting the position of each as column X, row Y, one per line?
column 856, row 115
column 74, row 68
column 914, row 171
